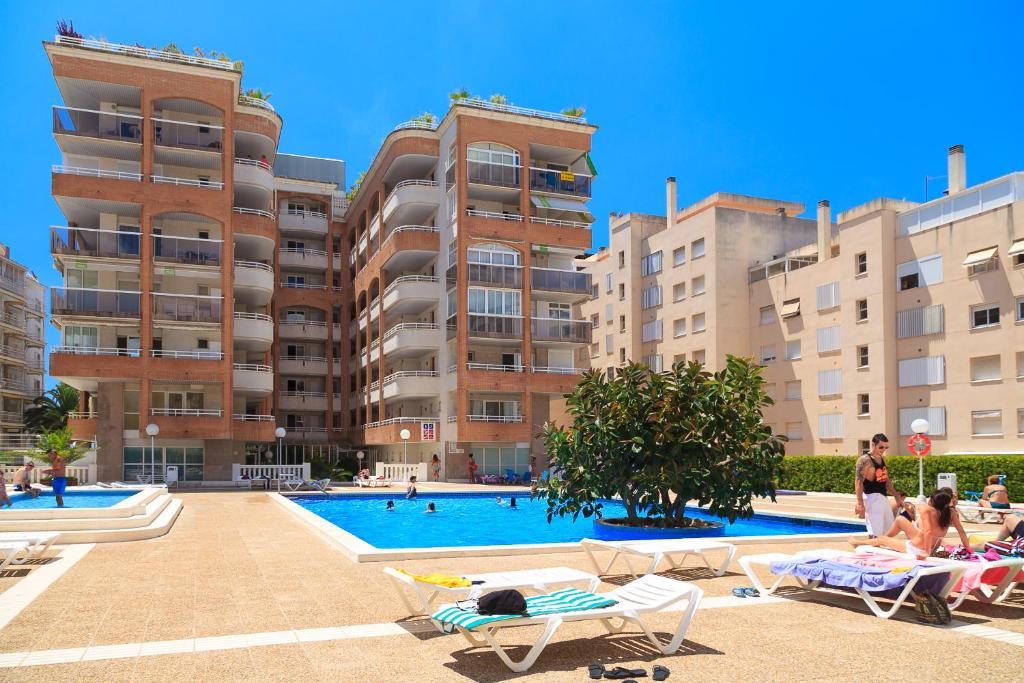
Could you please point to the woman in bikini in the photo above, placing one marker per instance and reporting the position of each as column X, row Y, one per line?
column 995, row 495
column 933, row 521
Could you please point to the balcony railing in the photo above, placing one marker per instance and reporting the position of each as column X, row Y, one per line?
column 555, row 371
column 190, row 354
column 94, row 302
column 410, row 279
column 13, row 384
column 486, row 325
column 260, row 103
column 187, row 182
column 12, row 319
column 495, row 418
column 487, row 173
column 186, row 308
column 560, row 182
column 555, row 329
column 558, row 223
column 9, row 351
column 494, row 367
column 95, row 172
column 186, row 412
column 12, row 284
column 190, row 250
column 148, row 53
column 263, row 317
column 495, row 215
column 253, row 212
column 409, row 183
column 188, row 135
column 551, row 280
column 251, row 417
column 254, row 367
column 83, row 242
column 92, row 123
column 96, row 351
column 395, row 376
column 402, row 327
column 494, row 274
column 301, row 285
column 14, row 417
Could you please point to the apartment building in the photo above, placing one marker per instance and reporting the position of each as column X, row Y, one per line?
column 863, row 324
column 219, row 289
column 21, row 345
column 461, row 243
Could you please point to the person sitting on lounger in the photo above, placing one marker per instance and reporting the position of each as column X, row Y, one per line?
column 390, row 505
column 1012, row 529
column 933, row 521
column 995, row 495
column 410, row 490
column 364, row 473
column 430, row 508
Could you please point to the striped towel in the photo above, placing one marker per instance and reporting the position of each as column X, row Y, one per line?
column 565, row 600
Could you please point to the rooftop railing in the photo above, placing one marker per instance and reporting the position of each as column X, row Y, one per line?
column 92, row 123
column 513, row 109
column 148, row 53
column 81, row 242
column 248, row 101
column 416, row 125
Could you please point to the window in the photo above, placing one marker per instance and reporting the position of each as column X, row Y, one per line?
column 699, row 356
column 863, row 405
column 917, row 322
column 1017, row 252
column 985, row 315
column 926, row 370
column 1019, row 315
column 935, row 415
column 919, row 273
column 768, row 315
column 862, row 310
column 609, row 372
column 679, row 327
column 494, row 301
column 679, row 358
column 986, row 423
column 768, row 353
column 697, row 249
column 493, row 254
column 1020, row 421
column 770, row 391
column 860, row 263
column 863, row 358
column 793, row 349
column 1020, row 365
column 828, row 296
column 986, row 369
column 609, row 313
column 793, row 390
column 982, row 267
column 650, row 264
column 130, row 408
column 652, row 331
column 609, row 341
column 622, row 292
column 608, row 283
column 622, row 323
column 595, row 350
column 828, row 339
column 653, row 361
column 622, row 355
column 594, row 291
column 651, row 297
column 622, row 259
column 679, row 256
column 795, row 431
column 864, row 447
column 594, row 320
column 830, row 426
column 697, row 286
column 981, row 261
column 790, row 308
column 698, row 323
column 679, row 291
column 830, row 382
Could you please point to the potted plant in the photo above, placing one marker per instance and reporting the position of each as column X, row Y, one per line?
column 656, row 441
column 458, row 95
column 67, row 29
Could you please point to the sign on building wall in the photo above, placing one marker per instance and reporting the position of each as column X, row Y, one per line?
column 428, row 431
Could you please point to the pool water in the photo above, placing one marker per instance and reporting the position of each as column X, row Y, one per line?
column 476, row 519
column 72, row 499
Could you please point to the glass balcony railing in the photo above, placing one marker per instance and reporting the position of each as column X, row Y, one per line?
column 188, row 135
column 486, row 173
column 493, row 274
column 550, row 280
column 187, row 308
column 97, row 124
column 82, row 242
column 94, row 302
column 560, row 182
column 557, row 330
column 484, row 325
column 190, row 250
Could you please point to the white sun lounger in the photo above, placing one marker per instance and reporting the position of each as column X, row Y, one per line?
column 540, row 580
column 373, row 482
column 980, row 514
column 9, row 551
column 656, row 550
column 748, row 563
column 987, row 593
column 38, row 542
column 320, row 485
column 643, row 596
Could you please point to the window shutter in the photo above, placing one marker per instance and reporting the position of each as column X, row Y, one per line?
column 830, row 382
column 828, row 339
column 828, row 296
column 830, row 426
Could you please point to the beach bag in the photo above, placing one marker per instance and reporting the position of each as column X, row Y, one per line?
column 501, row 602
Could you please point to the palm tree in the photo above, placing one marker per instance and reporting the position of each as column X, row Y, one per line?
column 60, row 440
column 50, row 411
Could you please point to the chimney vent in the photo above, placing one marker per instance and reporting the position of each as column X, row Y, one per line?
column 957, row 173
column 824, row 230
column 670, row 202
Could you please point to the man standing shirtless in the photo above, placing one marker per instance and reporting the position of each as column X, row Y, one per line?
column 57, row 471
column 872, row 484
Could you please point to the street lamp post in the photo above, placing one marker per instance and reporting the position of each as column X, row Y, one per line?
column 405, row 434
column 279, row 433
column 360, row 455
column 920, row 426
column 152, row 429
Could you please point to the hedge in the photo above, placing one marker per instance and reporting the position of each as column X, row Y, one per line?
column 835, row 472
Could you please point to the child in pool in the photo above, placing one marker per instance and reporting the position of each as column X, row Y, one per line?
column 430, row 508
column 512, row 504
column 390, row 505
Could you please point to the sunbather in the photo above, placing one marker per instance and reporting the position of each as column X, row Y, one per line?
column 995, row 495
column 933, row 521
column 1012, row 528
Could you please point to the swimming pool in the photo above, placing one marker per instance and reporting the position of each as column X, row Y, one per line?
column 72, row 499
column 476, row 519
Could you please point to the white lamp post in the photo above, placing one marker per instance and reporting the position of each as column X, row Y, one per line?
column 405, row 434
column 920, row 426
column 152, row 429
column 360, row 455
column 279, row 433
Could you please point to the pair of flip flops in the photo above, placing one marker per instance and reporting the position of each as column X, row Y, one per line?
column 597, row 671
column 746, row 592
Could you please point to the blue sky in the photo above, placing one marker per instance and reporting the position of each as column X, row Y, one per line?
column 796, row 101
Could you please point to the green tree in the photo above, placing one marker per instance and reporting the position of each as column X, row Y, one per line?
column 60, row 440
column 50, row 411
column 659, row 440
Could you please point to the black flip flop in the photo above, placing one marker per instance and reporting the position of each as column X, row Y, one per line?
column 620, row 672
column 660, row 672
column 596, row 671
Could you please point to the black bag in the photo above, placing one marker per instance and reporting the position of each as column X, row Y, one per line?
column 501, row 602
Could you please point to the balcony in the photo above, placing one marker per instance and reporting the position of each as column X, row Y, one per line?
column 186, row 135
column 13, row 385
column 79, row 243
column 254, row 283
column 560, row 182
column 253, row 331
column 255, row 174
column 558, row 331
column 186, row 412
column 253, row 427
column 561, row 285
column 411, row 294
column 779, row 266
column 95, row 172
column 90, row 132
column 486, row 326
column 408, row 340
column 12, row 285
column 12, row 354
column 302, row 401
column 494, row 174
column 94, row 303
column 11, row 418
column 180, row 181
column 302, row 365
column 411, row 384
column 255, row 233
column 408, row 247
column 252, row 378
column 191, row 251
column 83, row 425
column 187, row 308
column 306, row 434
column 411, row 201
column 13, row 323
column 303, row 329
column 389, row 431
column 302, row 259
column 307, row 222
column 510, row 277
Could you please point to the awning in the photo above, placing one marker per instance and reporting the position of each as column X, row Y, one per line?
column 590, row 165
column 791, row 308
column 1016, row 248
column 980, row 256
column 560, row 204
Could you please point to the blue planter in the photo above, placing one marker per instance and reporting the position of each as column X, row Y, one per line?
column 615, row 532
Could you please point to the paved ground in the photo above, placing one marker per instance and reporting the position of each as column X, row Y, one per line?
column 237, row 564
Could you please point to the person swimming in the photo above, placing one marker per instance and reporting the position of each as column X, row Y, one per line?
column 512, row 504
column 410, row 491
column 498, row 500
column 390, row 505
column 431, row 508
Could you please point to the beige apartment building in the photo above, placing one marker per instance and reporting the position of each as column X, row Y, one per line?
column 22, row 345
column 895, row 311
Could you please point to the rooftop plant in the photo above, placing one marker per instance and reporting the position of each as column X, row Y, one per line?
column 498, row 98
column 258, row 94
column 460, row 94
column 67, row 29
column 351, row 194
column 426, row 117
column 659, row 440
column 576, row 112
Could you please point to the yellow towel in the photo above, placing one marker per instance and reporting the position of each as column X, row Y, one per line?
column 981, row 539
column 440, row 579
column 899, row 570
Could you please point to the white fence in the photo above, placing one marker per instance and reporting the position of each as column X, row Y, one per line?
column 394, row 472
column 270, row 471
column 84, row 475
